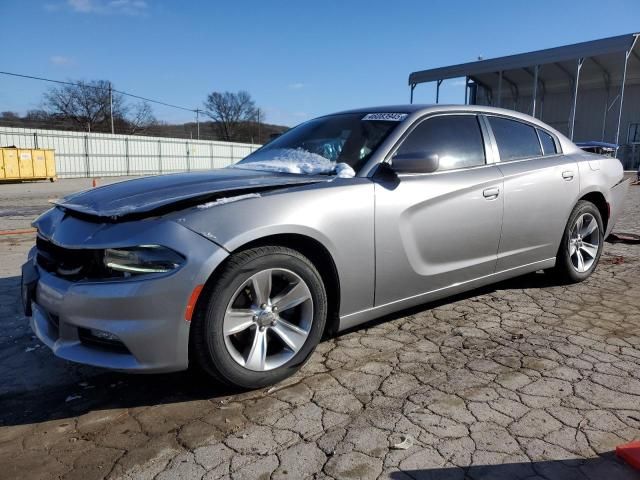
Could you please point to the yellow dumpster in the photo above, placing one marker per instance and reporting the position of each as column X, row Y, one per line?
column 27, row 164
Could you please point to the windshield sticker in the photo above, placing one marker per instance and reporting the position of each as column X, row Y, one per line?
column 389, row 117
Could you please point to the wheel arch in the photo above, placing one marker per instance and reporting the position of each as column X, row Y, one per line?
column 599, row 200
column 318, row 255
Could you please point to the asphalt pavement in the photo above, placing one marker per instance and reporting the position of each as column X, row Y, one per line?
column 523, row 379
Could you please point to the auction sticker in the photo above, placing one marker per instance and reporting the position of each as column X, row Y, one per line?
column 389, row 117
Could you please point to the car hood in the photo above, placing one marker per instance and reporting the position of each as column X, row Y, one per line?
column 155, row 194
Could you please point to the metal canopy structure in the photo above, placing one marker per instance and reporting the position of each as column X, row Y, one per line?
column 555, row 84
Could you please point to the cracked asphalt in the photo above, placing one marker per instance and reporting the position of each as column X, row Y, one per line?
column 521, row 380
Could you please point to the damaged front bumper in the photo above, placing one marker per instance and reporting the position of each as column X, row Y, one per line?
column 135, row 324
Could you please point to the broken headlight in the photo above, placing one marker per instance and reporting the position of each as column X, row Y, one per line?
column 142, row 259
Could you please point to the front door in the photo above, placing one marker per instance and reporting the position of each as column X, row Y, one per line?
column 439, row 229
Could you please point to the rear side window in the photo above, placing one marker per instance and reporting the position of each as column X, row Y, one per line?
column 515, row 139
column 456, row 139
column 548, row 144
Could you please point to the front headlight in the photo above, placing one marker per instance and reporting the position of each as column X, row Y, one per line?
column 142, row 259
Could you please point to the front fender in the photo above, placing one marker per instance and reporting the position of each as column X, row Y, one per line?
column 337, row 214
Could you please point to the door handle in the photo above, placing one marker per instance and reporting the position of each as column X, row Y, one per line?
column 567, row 175
column 491, row 193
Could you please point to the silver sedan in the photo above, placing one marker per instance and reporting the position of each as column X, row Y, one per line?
column 342, row 219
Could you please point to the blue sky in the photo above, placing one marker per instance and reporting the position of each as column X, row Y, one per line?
column 298, row 59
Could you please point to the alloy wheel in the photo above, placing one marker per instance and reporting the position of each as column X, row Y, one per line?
column 584, row 242
column 268, row 319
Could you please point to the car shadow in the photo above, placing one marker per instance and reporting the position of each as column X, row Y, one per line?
column 605, row 466
column 35, row 386
column 527, row 281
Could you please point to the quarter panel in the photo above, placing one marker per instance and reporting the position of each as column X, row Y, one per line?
column 604, row 175
column 538, row 201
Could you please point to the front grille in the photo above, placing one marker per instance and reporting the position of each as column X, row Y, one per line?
column 70, row 263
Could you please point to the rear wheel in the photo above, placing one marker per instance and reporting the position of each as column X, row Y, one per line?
column 261, row 318
column 581, row 244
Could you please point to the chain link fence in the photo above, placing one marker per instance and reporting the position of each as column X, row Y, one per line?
column 80, row 154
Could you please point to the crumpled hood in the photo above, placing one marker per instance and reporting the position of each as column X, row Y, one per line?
column 149, row 194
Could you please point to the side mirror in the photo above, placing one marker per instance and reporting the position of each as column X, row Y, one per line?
column 415, row 162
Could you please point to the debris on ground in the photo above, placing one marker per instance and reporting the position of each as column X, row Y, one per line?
column 629, row 238
column 613, row 260
column 405, row 444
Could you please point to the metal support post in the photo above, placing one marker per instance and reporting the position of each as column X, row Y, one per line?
column 438, row 83
column 572, row 122
column 111, row 107
column 627, row 54
column 466, row 91
column 126, row 155
column 534, row 97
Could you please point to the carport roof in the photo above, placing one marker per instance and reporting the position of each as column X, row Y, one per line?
column 561, row 61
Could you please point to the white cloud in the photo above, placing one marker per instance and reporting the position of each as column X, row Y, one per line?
column 60, row 60
column 296, row 86
column 124, row 7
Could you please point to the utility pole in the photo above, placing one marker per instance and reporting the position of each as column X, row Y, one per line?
column 111, row 107
column 258, row 126
column 198, row 122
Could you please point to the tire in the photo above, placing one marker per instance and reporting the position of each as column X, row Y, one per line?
column 230, row 303
column 568, row 266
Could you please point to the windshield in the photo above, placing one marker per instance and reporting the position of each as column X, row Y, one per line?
column 336, row 144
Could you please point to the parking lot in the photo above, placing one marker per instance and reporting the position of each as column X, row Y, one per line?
column 523, row 379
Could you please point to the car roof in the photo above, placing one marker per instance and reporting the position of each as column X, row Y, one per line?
column 437, row 107
column 416, row 109
column 406, row 108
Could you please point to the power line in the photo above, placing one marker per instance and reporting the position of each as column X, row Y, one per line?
column 76, row 84
column 156, row 101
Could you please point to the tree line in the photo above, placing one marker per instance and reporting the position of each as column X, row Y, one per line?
column 93, row 106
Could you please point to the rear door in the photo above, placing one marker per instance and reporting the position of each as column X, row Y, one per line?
column 438, row 229
column 540, row 188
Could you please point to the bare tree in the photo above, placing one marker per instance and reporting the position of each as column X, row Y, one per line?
column 140, row 118
column 229, row 110
column 84, row 103
column 9, row 116
column 87, row 105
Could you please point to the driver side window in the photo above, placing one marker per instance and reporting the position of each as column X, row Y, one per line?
column 456, row 139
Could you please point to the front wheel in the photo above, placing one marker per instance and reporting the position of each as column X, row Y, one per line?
column 581, row 244
column 261, row 318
